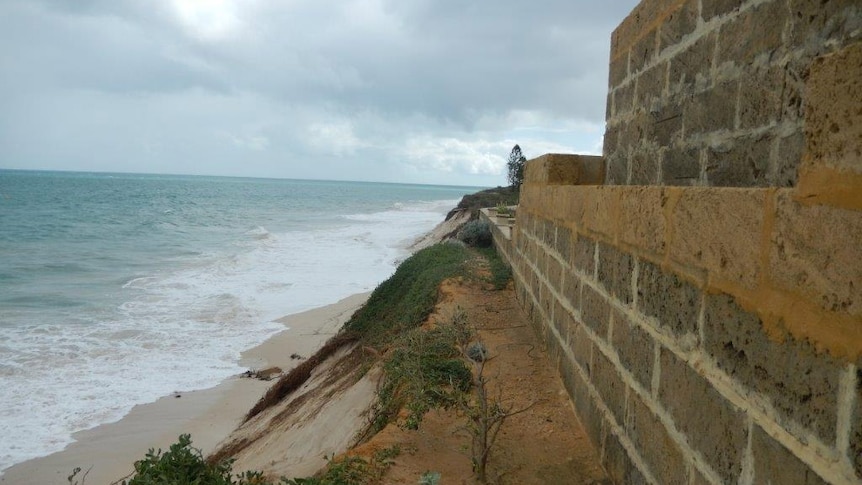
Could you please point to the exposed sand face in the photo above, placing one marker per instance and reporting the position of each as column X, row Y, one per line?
column 109, row 451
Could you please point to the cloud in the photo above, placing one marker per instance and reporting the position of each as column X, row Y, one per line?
column 419, row 91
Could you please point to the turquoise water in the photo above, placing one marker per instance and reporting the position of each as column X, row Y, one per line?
column 117, row 289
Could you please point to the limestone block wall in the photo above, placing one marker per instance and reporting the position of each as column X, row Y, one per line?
column 712, row 92
column 704, row 305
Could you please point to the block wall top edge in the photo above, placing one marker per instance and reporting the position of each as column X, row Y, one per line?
column 645, row 16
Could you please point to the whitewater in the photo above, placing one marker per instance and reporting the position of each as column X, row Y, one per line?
column 118, row 289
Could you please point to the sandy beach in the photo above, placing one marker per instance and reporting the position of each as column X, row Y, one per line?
column 107, row 453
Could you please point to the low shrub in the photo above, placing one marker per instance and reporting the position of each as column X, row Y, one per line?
column 476, row 233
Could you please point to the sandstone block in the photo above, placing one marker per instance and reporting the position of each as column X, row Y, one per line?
column 833, row 121
column 760, row 97
column 689, row 398
column 818, row 27
column 583, row 258
column 678, row 24
column 608, row 382
column 773, row 463
column 643, row 51
column 635, row 348
column 690, row 70
column 855, row 451
column 572, row 289
column 619, row 464
column 660, row 452
column 670, row 299
column 667, row 124
column 555, row 273
column 816, row 252
column 581, row 345
column 801, row 385
column 624, row 99
column 564, row 169
column 741, row 163
column 563, row 243
column 595, row 311
column 617, row 167
column 712, row 110
column 588, row 412
column 601, row 215
column 615, row 272
column 753, row 33
column 720, row 230
column 642, row 218
column 645, row 165
column 650, row 86
column 715, row 8
column 618, row 70
column 785, row 173
column 680, row 165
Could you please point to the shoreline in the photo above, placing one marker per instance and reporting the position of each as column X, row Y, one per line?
column 209, row 415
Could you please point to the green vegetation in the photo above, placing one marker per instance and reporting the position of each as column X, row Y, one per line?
column 501, row 273
column 487, row 198
column 516, row 163
column 476, row 233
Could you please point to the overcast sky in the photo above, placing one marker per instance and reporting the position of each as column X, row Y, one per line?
column 416, row 91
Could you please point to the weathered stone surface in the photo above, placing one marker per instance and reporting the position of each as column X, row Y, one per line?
column 785, row 172
column 855, row 450
column 690, row 399
column 689, row 70
column 595, row 311
column 635, row 348
column 667, row 124
column 680, row 166
column 650, row 86
column 581, row 345
column 775, row 464
column 760, row 95
column 583, row 258
column 620, row 466
column 617, row 167
column 754, row 33
column 643, row 51
column 615, row 272
column 645, row 166
column 711, row 110
column 624, row 99
column 642, row 218
column 744, row 163
column 821, row 26
column 714, row 8
column 618, row 70
column 800, row 384
column 563, row 244
column 660, row 452
column 816, row 252
column 601, row 216
column 554, row 273
column 678, row 24
column 720, row 231
column 608, row 382
column 572, row 289
column 833, row 121
column 588, row 412
column 670, row 299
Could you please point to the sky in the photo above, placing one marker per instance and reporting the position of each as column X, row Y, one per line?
column 412, row 91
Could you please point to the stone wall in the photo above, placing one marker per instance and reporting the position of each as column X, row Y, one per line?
column 711, row 334
column 710, row 92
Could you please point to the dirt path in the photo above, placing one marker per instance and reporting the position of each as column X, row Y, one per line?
column 545, row 444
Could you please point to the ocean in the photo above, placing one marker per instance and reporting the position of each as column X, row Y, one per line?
column 118, row 289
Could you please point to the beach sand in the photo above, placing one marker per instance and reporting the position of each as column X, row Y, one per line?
column 109, row 451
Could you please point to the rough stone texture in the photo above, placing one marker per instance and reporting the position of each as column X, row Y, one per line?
column 565, row 169
column 742, row 163
column 775, row 465
column 608, row 382
column 583, row 258
column 790, row 149
column 595, row 311
column 635, row 348
column 753, row 33
column 833, row 123
column 719, row 7
column 554, row 273
column 813, row 23
column 713, row 426
column 586, row 408
column 719, row 230
column 760, row 96
column 855, row 450
column 643, row 51
column 800, row 384
column 563, row 246
column 678, row 24
column 712, row 110
column 618, row 70
column 618, row 463
column 816, row 252
column 572, row 290
column 689, row 70
column 602, row 213
column 645, row 164
column 650, row 85
column 615, row 272
column 660, row 452
column 642, row 218
column 581, row 345
column 673, row 301
column 680, row 166
column 624, row 99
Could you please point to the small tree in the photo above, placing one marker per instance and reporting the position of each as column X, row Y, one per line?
column 516, row 163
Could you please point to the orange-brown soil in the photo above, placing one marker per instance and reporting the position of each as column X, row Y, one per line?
column 545, row 444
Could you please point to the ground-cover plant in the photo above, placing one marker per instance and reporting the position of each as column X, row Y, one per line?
column 501, row 273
